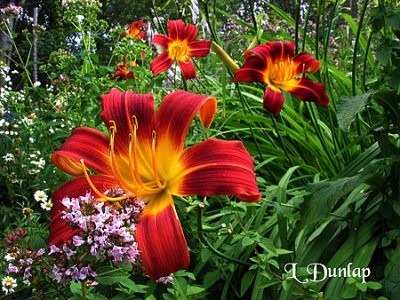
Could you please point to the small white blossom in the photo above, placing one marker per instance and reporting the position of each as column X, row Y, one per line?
column 46, row 205
column 40, row 196
column 8, row 157
column 8, row 284
column 36, row 84
column 10, row 256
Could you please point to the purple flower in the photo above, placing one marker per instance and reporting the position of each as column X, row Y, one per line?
column 68, row 252
column 73, row 272
column 86, row 272
column 27, row 273
column 12, row 269
column 77, row 241
column 117, row 253
column 40, row 252
column 54, row 249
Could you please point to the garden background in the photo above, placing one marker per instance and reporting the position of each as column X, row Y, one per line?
column 329, row 175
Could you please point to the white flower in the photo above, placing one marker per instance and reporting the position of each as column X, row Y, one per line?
column 27, row 282
column 8, row 157
column 8, row 284
column 80, row 18
column 40, row 196
column 36, row 84
column 10, row 256
column 46, row 205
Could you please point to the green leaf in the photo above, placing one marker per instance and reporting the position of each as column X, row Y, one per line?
column 136, row 288
column 391, row 283
column 350, row 293
column 247, row 280
column 112, row 276
column 193, row 290
column 247, row 241
column 76, row 288
column 362, row 286
column 205, row 254
column 324, row 197
column 348, row 108
column 373, row 285
column 383, row 53
column 37, row 242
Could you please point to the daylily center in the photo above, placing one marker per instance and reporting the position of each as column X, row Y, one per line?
column 278, row 73
column 135, row 184
column 134, row 32
column 178, row 50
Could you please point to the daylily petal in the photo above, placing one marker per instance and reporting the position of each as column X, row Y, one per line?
column 176, row 30
column 273, row 100
column 162, row 40
column 84, row 143
column 160, row 238
column 120, row 107
column 199, row 48
column 252, row 70
column 216, row 167
column 161, row 63
column 60, row 232
column 308, row 90
column 304, row 62
column 261, row 51
column 191, row 32
column 187, row 68
column 280, row 50
column 173, row 123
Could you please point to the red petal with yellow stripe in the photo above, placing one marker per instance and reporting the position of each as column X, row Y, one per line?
column 84, row 143
column 217, row 167
column 160, row 238
column 176, row 112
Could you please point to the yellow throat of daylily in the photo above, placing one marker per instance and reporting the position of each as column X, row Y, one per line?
column 178, row 50
column 134, row 185
column 280, row 74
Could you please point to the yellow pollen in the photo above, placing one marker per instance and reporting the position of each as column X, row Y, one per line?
column 178, row 50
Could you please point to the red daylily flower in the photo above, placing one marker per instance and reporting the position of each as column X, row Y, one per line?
column 276, row 65
column 144, row 155
column 123, row 72
column 180, row 45
column 135, row 30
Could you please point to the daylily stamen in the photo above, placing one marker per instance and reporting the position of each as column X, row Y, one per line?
column 100, row 194
column 114, row 165
column 134, row 144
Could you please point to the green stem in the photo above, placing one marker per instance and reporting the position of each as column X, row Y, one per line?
column 305, row 25
column 83, row 285
column 320, row 136
column 353, row 73
column 296, row 33
column 23, row 64
column 281, row 140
